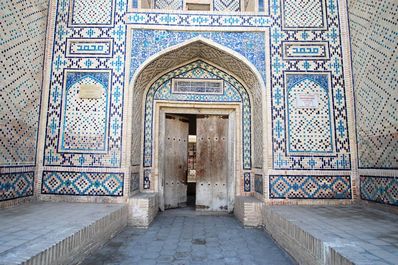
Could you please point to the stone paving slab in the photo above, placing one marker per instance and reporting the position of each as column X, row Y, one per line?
column 28, row 230
column 361, row 235
column 188, row 237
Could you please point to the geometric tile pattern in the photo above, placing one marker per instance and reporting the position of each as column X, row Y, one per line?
column 309, row 128
column 203, row 19
column 23, row 34
column 303, row 14
column 168, row 4
column 146, row 43
column 380, row 189
column 251, row 45
column 247, row 181
column 226, row 5
column 96, row 66
column 259, row 183
column 85, row 121
column 282, row 159
column 82, row 183
column 91, row 12
column 16, row 185
column 309, row 187
column 147, row 179
column 374, row 38
column 233, row 92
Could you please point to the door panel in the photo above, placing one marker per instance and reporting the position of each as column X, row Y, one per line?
column 212, row 163
column 176, row 161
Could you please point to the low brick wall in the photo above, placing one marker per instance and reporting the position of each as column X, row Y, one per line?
column 301, row 245
column 249, row 211
column 74, row 248
column 143, row 208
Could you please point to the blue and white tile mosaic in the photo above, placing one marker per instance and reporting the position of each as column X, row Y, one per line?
column 309, row 187
column 82, row 183
column 16, row 185
column 303, row 14
column 233, row 92
column 146, row 43
column 318, row 33
column 380, row 189
column 324, row 27
column 97, row 70
column 199, row 20
column 23, row 35
column 309, row 128
column 85, row 120
column 374, row 38
column 86, row 13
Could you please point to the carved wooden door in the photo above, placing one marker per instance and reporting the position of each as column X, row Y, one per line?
column 212, row 163
column 176, row 161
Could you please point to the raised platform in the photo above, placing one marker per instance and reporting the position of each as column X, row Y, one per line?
column 335, row 235
column 56, row 233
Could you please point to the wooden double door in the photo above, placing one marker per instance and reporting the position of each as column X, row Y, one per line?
column 211, row 162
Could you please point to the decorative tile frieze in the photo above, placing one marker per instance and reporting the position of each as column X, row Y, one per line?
column 82, row 183
column 379, row 189
column 16, row 185
column 198, row 20
column 309, row 187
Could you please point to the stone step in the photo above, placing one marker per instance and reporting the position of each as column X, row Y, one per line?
column 57, row 233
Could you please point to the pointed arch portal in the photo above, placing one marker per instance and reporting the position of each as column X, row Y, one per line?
column 198, row 77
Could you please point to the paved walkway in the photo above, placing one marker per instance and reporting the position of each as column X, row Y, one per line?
column 29, row 229
column 186, row 237
column 365, row 236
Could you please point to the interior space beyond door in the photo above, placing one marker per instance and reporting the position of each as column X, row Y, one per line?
column 176, row 155
column 212, row 163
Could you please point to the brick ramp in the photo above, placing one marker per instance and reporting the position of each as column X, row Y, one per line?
column 334, row 235
column 57, row 233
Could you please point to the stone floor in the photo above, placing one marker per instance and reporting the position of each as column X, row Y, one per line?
column 29, row 229
column 188, row 237
column 361, row 234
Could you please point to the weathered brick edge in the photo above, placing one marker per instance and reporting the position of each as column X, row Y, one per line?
column 301, row 245
column 75, row 248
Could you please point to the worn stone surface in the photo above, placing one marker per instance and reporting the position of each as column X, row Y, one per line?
column 143, row 208
column 188, row 237
column 249, row 210
column 335, row 235
column 56, row 233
